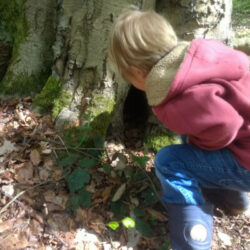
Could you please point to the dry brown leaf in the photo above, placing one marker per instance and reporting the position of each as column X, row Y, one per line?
column 44, row 174
column 106, row 193
column 82, row 216
column 59, row 222
column 49, row 196
column 48, row 163
column 158, row 215
column 24, row 175
column 59, row 200
column 35, row 157
column 35, row 227
column 57, row 174
column 119, row 192
column 14, row 241
column 6, row 225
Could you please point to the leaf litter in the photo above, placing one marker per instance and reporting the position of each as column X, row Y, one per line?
column 33, row 194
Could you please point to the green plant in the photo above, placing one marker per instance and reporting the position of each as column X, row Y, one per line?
column 82, row 154
column 241, row 6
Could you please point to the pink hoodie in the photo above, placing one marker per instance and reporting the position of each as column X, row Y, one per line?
column 209, row 99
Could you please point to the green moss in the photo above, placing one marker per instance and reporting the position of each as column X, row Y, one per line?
column 160, row 138
column 100, row 113
column 22, row 84
column 60, row 102
column 10, row 11
column 12, row 21
column 52, row 97
column 15, row 29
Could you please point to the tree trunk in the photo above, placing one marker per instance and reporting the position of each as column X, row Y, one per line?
column 33, row 29
column 199, row 18
column 62, row 47
column 80, row 64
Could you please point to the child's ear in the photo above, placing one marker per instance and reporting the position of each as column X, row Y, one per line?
column 137, row 72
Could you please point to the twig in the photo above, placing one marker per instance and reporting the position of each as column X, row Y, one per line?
column 24, row 191
column 11, row 201
column 153, row 186
column 63, row 143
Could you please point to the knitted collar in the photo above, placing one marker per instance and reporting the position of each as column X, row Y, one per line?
column 161, row 76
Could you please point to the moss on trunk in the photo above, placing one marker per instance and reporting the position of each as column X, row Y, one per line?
column 100, row 114
column 29, row 25
column 52, row 97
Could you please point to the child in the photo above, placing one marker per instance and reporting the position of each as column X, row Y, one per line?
column 199, row 89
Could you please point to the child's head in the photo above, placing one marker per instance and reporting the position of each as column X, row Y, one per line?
column 140, row 39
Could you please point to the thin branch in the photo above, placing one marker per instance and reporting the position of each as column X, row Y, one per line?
column 63, row 143
column 24, row 191
column 153, row 186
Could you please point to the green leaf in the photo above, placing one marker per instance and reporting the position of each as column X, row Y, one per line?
column 113, row 225
column 77, row 179
column 166, row 246
column 107, row 168
column 119, row 209
column 84, row 198
column 86, row 163
column 138, row 212
column 81, row 138
column 128, row 222
column 68, row 161
column 149, row 196
column 99, row 141
column 141, row 160
column 143, row 227
column 72, row 204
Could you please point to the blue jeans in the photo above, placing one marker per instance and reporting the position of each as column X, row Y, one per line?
column 184, row 169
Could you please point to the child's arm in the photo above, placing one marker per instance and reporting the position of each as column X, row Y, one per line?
column 202, row 113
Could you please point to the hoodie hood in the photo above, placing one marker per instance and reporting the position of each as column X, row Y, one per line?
column 161, row 76
column 204, row 61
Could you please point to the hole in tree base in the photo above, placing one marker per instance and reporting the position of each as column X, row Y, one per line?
column 135, row 115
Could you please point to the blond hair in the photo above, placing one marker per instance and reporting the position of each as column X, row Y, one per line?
column 140, row 39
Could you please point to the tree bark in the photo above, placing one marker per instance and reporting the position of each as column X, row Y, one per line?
column 199, row 18
column 62, row 47
column 31, row 59
column 80, row 55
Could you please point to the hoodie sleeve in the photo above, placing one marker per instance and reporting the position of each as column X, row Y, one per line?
column 201, row 112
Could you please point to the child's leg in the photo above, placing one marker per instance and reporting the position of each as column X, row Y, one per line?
column 234, row 202
column 182, row 169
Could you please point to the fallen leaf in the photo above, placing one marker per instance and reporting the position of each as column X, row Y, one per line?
column 49, row 196
column 8, row 189
column 225, row 238
column 106, row 193
column 43, row 174
column 7, row 147
column 158, row 215
column 6, row 225
column 35, row 157
column 118, row 194
column 25, row 174
column 48, row 163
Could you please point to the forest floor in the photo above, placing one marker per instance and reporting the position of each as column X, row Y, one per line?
column 33, row 194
